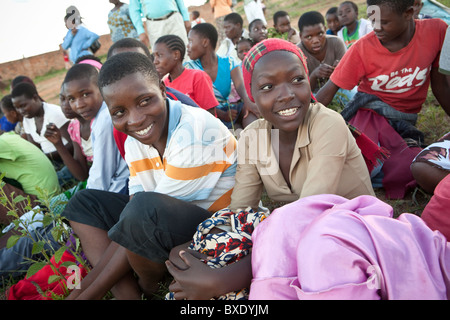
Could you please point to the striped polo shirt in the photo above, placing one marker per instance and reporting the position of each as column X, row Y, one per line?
column 199, row 162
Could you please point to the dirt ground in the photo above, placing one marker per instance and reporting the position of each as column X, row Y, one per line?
column 49, row 88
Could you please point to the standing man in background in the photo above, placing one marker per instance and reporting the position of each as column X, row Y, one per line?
column 220, row 8
column 163, row 17
column 254, row 10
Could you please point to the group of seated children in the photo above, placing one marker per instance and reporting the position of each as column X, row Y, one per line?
column 188, row 200
column 82, row 117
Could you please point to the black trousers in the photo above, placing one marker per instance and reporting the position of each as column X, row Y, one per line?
column 150, row 224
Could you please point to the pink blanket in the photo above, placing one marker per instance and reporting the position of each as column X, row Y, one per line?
column 328, row 247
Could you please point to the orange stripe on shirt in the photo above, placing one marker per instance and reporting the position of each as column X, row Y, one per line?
column 132, row 171
column 145, row 165
column 223, row 202
column 195, row 172
column 230, row 147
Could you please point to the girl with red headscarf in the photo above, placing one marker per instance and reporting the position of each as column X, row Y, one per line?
column 299, row 148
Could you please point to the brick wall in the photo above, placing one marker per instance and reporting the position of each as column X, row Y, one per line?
column 43, row 63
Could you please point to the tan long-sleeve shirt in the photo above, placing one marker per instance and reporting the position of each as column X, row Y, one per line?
column 326, row 160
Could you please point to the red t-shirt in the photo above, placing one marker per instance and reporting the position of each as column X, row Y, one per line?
column 197, row 85
column 400, row 79
column 435, row 213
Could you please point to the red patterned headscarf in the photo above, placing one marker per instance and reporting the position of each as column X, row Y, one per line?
column 262, row 48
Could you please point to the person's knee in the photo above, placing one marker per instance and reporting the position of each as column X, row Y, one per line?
column 416, row 169
column 150, row 202
column 83, row 197
column 96, row 208
column 419, row 172
column 141, row 201
column 142, row 204
column 427, row 176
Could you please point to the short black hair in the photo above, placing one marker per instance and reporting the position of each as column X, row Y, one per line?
column 234, row 18
column 24, row 89
column 279, row 14
column 81, row 71
column 332, row 10
column 250, row 25
column 126, row 63
column 398, row 6
column 207, row 30
column 6, row 103
column 128, row 43
column 174, row 43
column 243, row 39
column 88, row 57
column 196, row 14
column 355, row 7
column 310, row 18
column 20, row 79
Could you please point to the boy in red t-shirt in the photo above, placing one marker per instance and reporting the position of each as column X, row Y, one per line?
column 393, row 67
column 396, row 62
column 168, row 52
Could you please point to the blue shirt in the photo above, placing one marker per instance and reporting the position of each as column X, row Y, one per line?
column 5, row 125
column 154, row 9
column 109, row 170
column 79, row 43
column 222, row 84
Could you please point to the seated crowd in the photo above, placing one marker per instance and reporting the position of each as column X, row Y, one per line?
column 163, row 159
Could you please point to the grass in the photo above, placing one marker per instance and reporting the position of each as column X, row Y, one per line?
column 444, row 2
column 49, row 75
